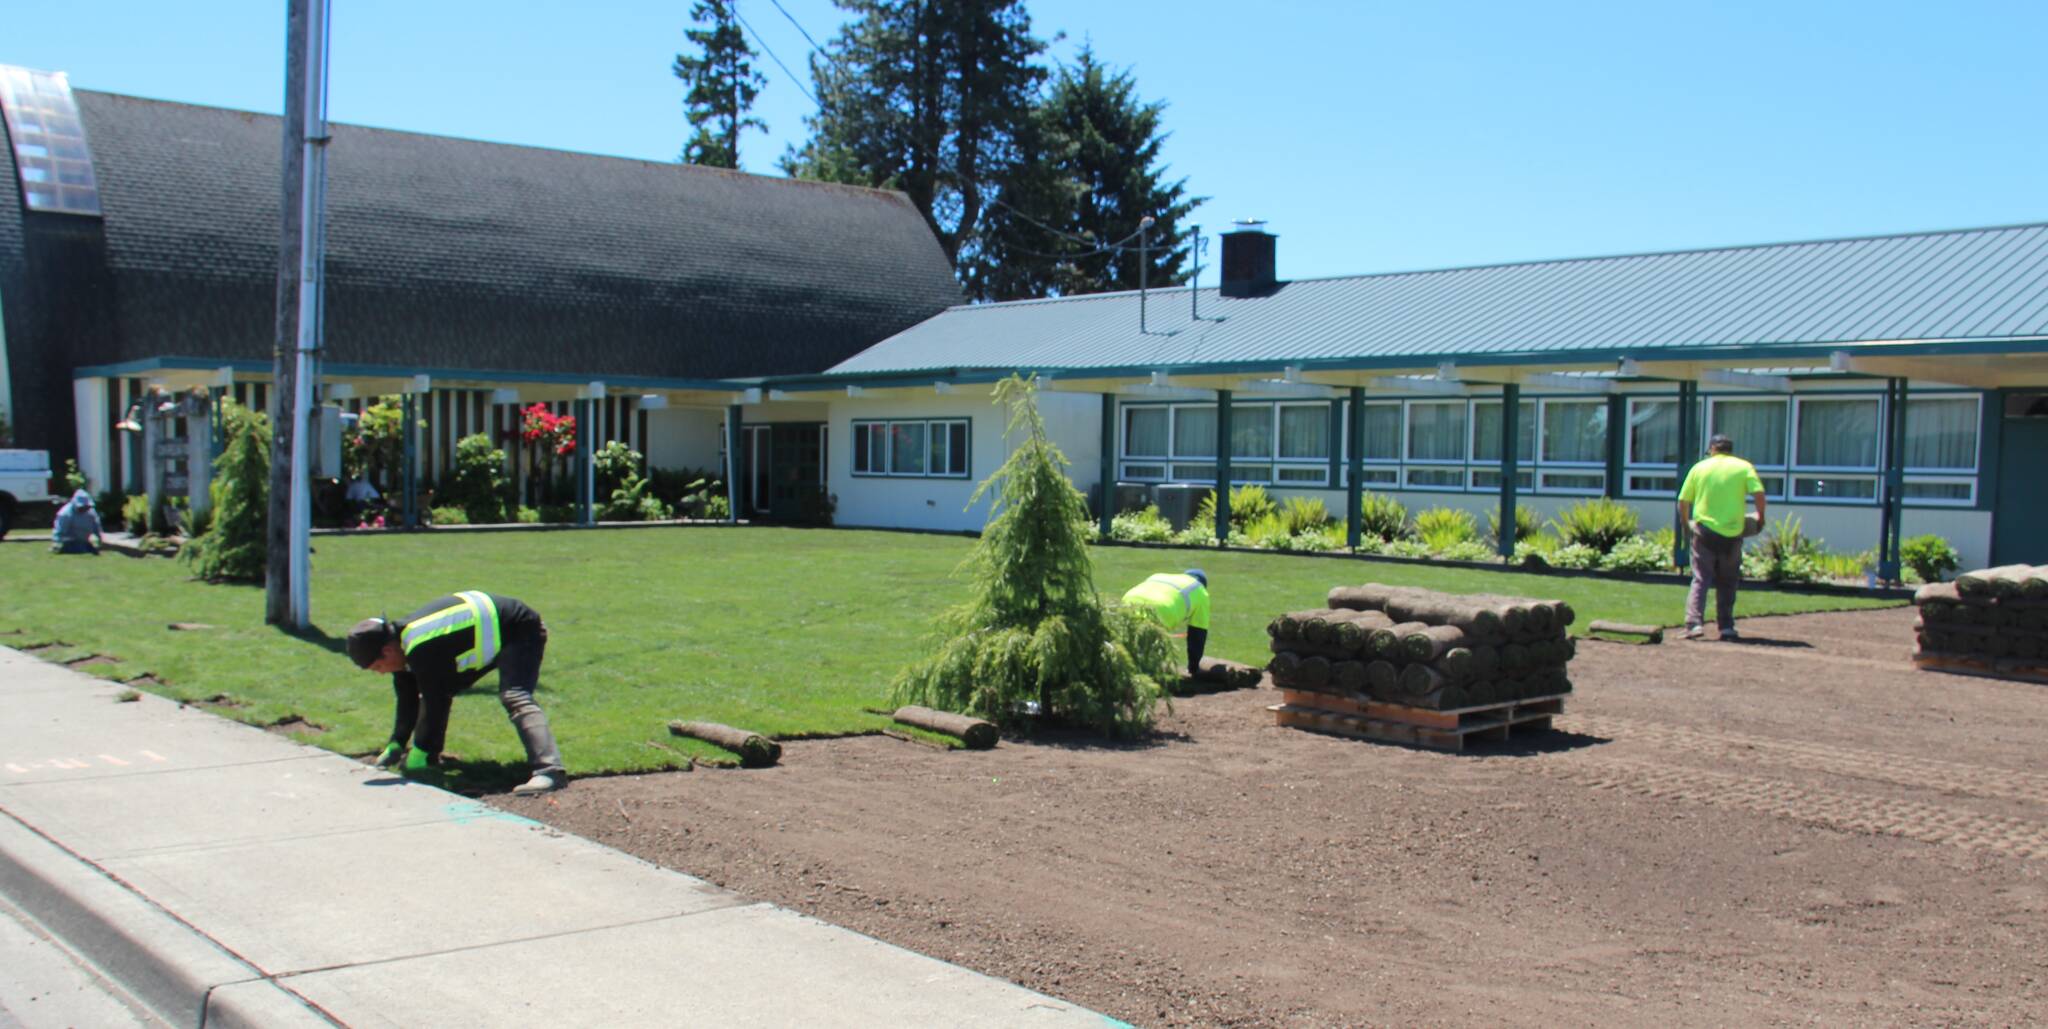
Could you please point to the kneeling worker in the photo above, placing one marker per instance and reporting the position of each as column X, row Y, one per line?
column 441, row 650
column 1176, row 601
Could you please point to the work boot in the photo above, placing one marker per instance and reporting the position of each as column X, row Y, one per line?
column 542, row 782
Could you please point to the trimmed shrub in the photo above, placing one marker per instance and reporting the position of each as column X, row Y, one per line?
column 1638, row 554
column 1785, row 554
column 1304, row 514
column 448, row 515
column 1145, row 526
column 1598, row 523
column 1573, row 555
column 1248, row 504
column 1442, row 527
column 1382, row 518
column 231, row 547
column 526, row 515
column 135, row 513
column 1467, row 550
column 1406, row 548
column 1035, row 630
column 476, row 482
column 1930, row 557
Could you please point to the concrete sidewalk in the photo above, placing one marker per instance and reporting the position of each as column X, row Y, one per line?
column 227, row 876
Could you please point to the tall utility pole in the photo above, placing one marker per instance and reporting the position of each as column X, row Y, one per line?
column 301, row 242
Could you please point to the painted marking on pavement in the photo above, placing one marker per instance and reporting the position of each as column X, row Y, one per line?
column 464, row 812
column 154, row 756
column 112, row 760
column 72, row 764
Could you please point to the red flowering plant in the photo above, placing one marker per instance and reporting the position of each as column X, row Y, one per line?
column 550, row 435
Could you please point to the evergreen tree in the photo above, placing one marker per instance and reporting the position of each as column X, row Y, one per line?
column 723, row 84
column 1035, row 629
column 925, row 96
column 233, row 547
column 1096, row 176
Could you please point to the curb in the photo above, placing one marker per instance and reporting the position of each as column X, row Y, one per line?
column 181, row 975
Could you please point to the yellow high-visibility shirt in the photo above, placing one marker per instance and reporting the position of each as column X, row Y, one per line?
column 1176, row 600
column 1718, row 489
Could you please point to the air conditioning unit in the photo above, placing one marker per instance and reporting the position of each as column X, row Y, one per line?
column 1132, row 496
column 1178, row 502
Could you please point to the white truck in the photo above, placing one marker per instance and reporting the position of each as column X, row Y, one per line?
column 24, row 480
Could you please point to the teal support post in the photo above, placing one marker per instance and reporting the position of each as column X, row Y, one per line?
column 1893, row 504
column 1108, row 475
column 1617, row 442
column 408, row 465
column 1223, row 466
column 1510, row 464
column 732, row 463
column 1336, row 434
column 585, row 425
column 1354, row 457
column 1688, row 451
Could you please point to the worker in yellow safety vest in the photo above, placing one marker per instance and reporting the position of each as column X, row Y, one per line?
column 441, row 650
column 1177, row 601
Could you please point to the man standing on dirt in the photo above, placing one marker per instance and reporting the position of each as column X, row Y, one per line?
column 441, row 650
column 1175, row 601
column 1712, row 506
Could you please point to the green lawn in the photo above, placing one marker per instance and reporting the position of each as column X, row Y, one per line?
column 784, row 631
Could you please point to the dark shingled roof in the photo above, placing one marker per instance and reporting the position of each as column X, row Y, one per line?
column 453, row 253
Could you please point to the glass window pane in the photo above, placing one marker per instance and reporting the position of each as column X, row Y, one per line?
column 1452, row 477
column 1486, row 431
column 1756, row 426
column 1575, row 430
column 1194, row 473
column 1838, row 433
column 958, row 449
column 1251, row 431
column 860, row 448
column 1653, row 432
column 1316, row 474
column 1832, row 487
column 878, row 449
column 1436, row 432
column 1957, row 492
column 1305, row 432
column 1575, row 481
column 1653, row 483
column 1941, row 432
column 1489, row 478
column 906, row 448
column 1145, row 432
column 1378, row 476
column 1194, row 432
column 937, row 461
column 1382, row 432
column 1144, row 471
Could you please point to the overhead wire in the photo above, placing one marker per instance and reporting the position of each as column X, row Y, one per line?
column 792, row 20
column 793, row 80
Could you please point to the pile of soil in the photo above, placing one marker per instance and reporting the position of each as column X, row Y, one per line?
column 1801, row 827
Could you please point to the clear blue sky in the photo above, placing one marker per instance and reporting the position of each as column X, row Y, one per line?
column 1372, row 137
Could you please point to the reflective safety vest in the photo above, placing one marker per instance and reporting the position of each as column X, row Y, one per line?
column 471, row 610
column 1174, row 599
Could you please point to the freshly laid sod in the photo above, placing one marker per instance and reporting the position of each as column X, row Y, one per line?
column 787, row 632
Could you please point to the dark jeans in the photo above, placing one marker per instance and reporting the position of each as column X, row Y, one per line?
column 76, row 547
column 518, row 675
column 1716, row 565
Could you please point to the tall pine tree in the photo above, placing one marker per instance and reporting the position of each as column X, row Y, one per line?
column 1097, row 174
column 723, row 84
column 926, row 96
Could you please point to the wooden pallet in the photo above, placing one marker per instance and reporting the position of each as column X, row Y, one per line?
column 2010, row 669
column 1396, row 723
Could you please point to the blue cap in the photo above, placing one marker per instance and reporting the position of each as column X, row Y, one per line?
column 1196, row 574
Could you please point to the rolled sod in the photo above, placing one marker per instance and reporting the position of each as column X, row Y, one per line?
column 1348, row 676
column 1303, row 648
column 973, row 732
column 1420, row 679
column 754, row 749
column 1382, row 678
column 2000, row 583
column 1432, row 642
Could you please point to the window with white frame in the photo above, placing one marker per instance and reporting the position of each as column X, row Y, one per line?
column 1941, row 449
column 1835, row 456
column 1760, row 427
column 1486, row 418
column 1651, row 457
column 1270, row 442
column 912, row 448
column 1574, row 452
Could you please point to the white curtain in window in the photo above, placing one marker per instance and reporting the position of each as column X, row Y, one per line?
column 1941, row 432
column 1382, row 432
column 1251, row 431
column 1838, row 433
column 1194, row 432
column 1575, row 430
column 906, row 448
column 1145, row 432
column 1436, row 432
column 1486, row 432
column 1653, row 431
column 1756, row 426
column 1305, row 432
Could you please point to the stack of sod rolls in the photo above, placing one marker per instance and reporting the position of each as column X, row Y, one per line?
column 1997, row 618
column 1324, row 651
column 1445, row 651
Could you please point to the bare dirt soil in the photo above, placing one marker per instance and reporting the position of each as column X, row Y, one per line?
column 1800, row 828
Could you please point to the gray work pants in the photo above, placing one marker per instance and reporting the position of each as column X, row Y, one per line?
column 518, row 675
column 1716, row 565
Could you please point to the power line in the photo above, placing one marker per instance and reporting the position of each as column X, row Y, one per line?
column 793, row 80
column 799, row 25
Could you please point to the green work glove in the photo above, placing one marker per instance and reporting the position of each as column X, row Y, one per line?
column 415, row 761
column 391, row 755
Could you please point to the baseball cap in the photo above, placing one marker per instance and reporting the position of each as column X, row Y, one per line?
column 366, row 641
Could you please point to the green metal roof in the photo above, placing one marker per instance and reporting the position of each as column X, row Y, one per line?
column 1975, row 286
